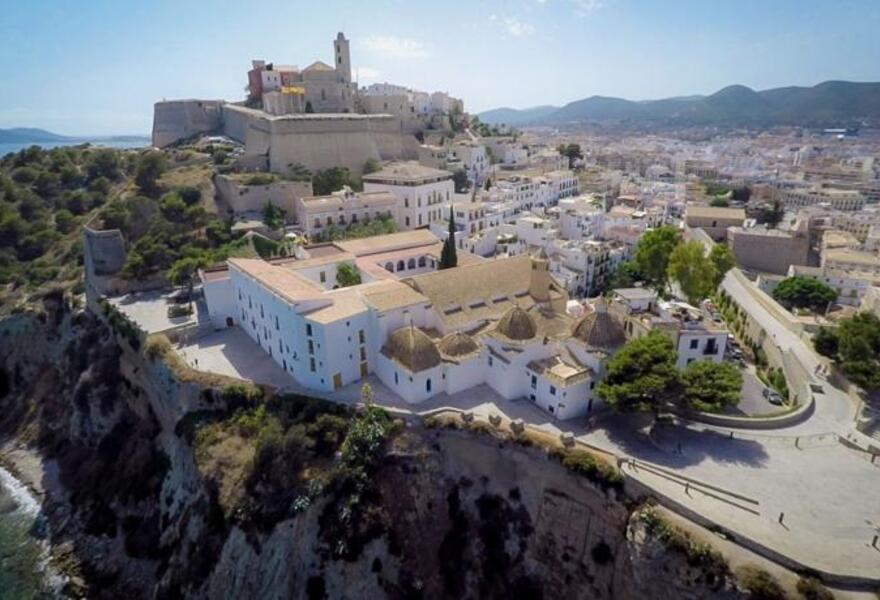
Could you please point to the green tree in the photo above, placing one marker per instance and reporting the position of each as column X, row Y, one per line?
column 825, row 341
column 184, row 270
column 273, row 216
column 652, row 254
column 772, row 214
column 572, row 152
column 626, row 275
column 371, row 166
column 173, row 208
column 104, row 162
column 64, row 220
column 460, row 180
column 448, row 256
column 801, row 291
column 642, row 376
column 347, row 275
column 330, row 180
column 858, row 349
column 150, row 167
column 720, row 201
column 710, row 386
column 723, row 260
column 298, row 172
column 692, row 270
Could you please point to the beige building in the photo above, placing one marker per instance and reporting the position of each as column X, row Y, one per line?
column 343, row 209
column 714, row 220
column 837, row 199
column 768, row 250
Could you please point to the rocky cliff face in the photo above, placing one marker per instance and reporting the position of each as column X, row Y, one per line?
column 457, row 515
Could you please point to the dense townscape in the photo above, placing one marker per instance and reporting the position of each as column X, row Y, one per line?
column 687, row 315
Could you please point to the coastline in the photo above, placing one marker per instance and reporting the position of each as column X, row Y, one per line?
column 22, row 475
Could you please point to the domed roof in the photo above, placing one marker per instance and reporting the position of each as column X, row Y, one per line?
column 458, row 344
column 517, row 324
column 599, row 329
column 412, row 348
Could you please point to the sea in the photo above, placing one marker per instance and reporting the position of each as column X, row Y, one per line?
column 7, row 147
column 25, row 572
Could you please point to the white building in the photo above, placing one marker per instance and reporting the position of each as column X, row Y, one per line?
column 421, row 191
column 344, row 208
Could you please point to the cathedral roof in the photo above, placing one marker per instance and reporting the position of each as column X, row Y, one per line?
column 517, row 324
column 599, row 329
column 412, row 348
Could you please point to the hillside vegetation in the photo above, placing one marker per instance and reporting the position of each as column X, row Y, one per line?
column 162, row 202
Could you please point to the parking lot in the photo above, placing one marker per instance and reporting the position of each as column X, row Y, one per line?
column 753, row 401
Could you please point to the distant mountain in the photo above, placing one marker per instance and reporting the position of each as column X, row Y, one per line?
column 21, row 135
column 839, row 103
column 513, row 116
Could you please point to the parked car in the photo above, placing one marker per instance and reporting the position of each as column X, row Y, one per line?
column 773, row 397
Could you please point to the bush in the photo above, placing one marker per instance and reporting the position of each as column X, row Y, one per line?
column 760, row 584
column 157, row 346
column 811, row 588
column 596, row 470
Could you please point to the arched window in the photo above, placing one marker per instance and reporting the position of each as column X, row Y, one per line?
column 329, row 220
column 411, row 264
column 421, row 261
column 428, row 385
column 400, row 265
column 389, row 267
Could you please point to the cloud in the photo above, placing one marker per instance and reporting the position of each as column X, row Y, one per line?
column 366, row 73
column 390, row 46
column 584, row 8
column 513, row 26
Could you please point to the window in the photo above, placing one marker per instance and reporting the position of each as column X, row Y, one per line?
column 323, row 277
column 411, row 264
column 312, row 365
column 552, row 390
column 280, row 346
column 389, row 267
column 421, row 261
column 694, row 344
column 276, row 322
column 361, row 337
column 396, row 382
column 534, row 381
column 363, row 354
column 428, row 385
column 308, row 329
column 262, row 316
column 592, row 384
column 490, row 361
column 401, row 265
column 311, row 347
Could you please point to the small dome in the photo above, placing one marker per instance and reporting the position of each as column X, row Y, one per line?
column 412, row 348
column 458, row 344
column 599, row 329
column 517, row 324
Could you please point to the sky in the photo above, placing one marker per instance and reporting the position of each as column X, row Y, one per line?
column 96, row 67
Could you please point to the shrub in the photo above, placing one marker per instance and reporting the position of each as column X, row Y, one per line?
column 760, row 584
column 157, row 346
column 811, row 588
column 596, row 470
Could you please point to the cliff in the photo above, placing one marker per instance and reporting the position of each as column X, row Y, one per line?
column 156, row 488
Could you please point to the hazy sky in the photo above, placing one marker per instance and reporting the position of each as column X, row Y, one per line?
column 96, row 67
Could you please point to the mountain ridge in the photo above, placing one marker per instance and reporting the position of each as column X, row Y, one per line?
column 828, row 103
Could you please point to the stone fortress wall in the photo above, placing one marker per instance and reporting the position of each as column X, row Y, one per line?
column 175, row 120
column 317, row 141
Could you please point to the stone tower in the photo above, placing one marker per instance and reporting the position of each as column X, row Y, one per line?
column 343, row 59
column 540, row 280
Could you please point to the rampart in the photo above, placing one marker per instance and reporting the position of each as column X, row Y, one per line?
column 243, row 198
column 175, row 120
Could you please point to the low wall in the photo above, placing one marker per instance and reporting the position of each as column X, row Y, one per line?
column 793, row 417
column 252, row 198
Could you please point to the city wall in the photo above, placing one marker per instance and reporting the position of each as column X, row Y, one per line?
column 175, row 120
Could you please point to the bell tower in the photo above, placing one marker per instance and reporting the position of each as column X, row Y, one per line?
column 342, row 58
column 540, row 280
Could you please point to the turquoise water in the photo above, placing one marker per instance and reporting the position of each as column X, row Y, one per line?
column 23, row 555
column 7, row 147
